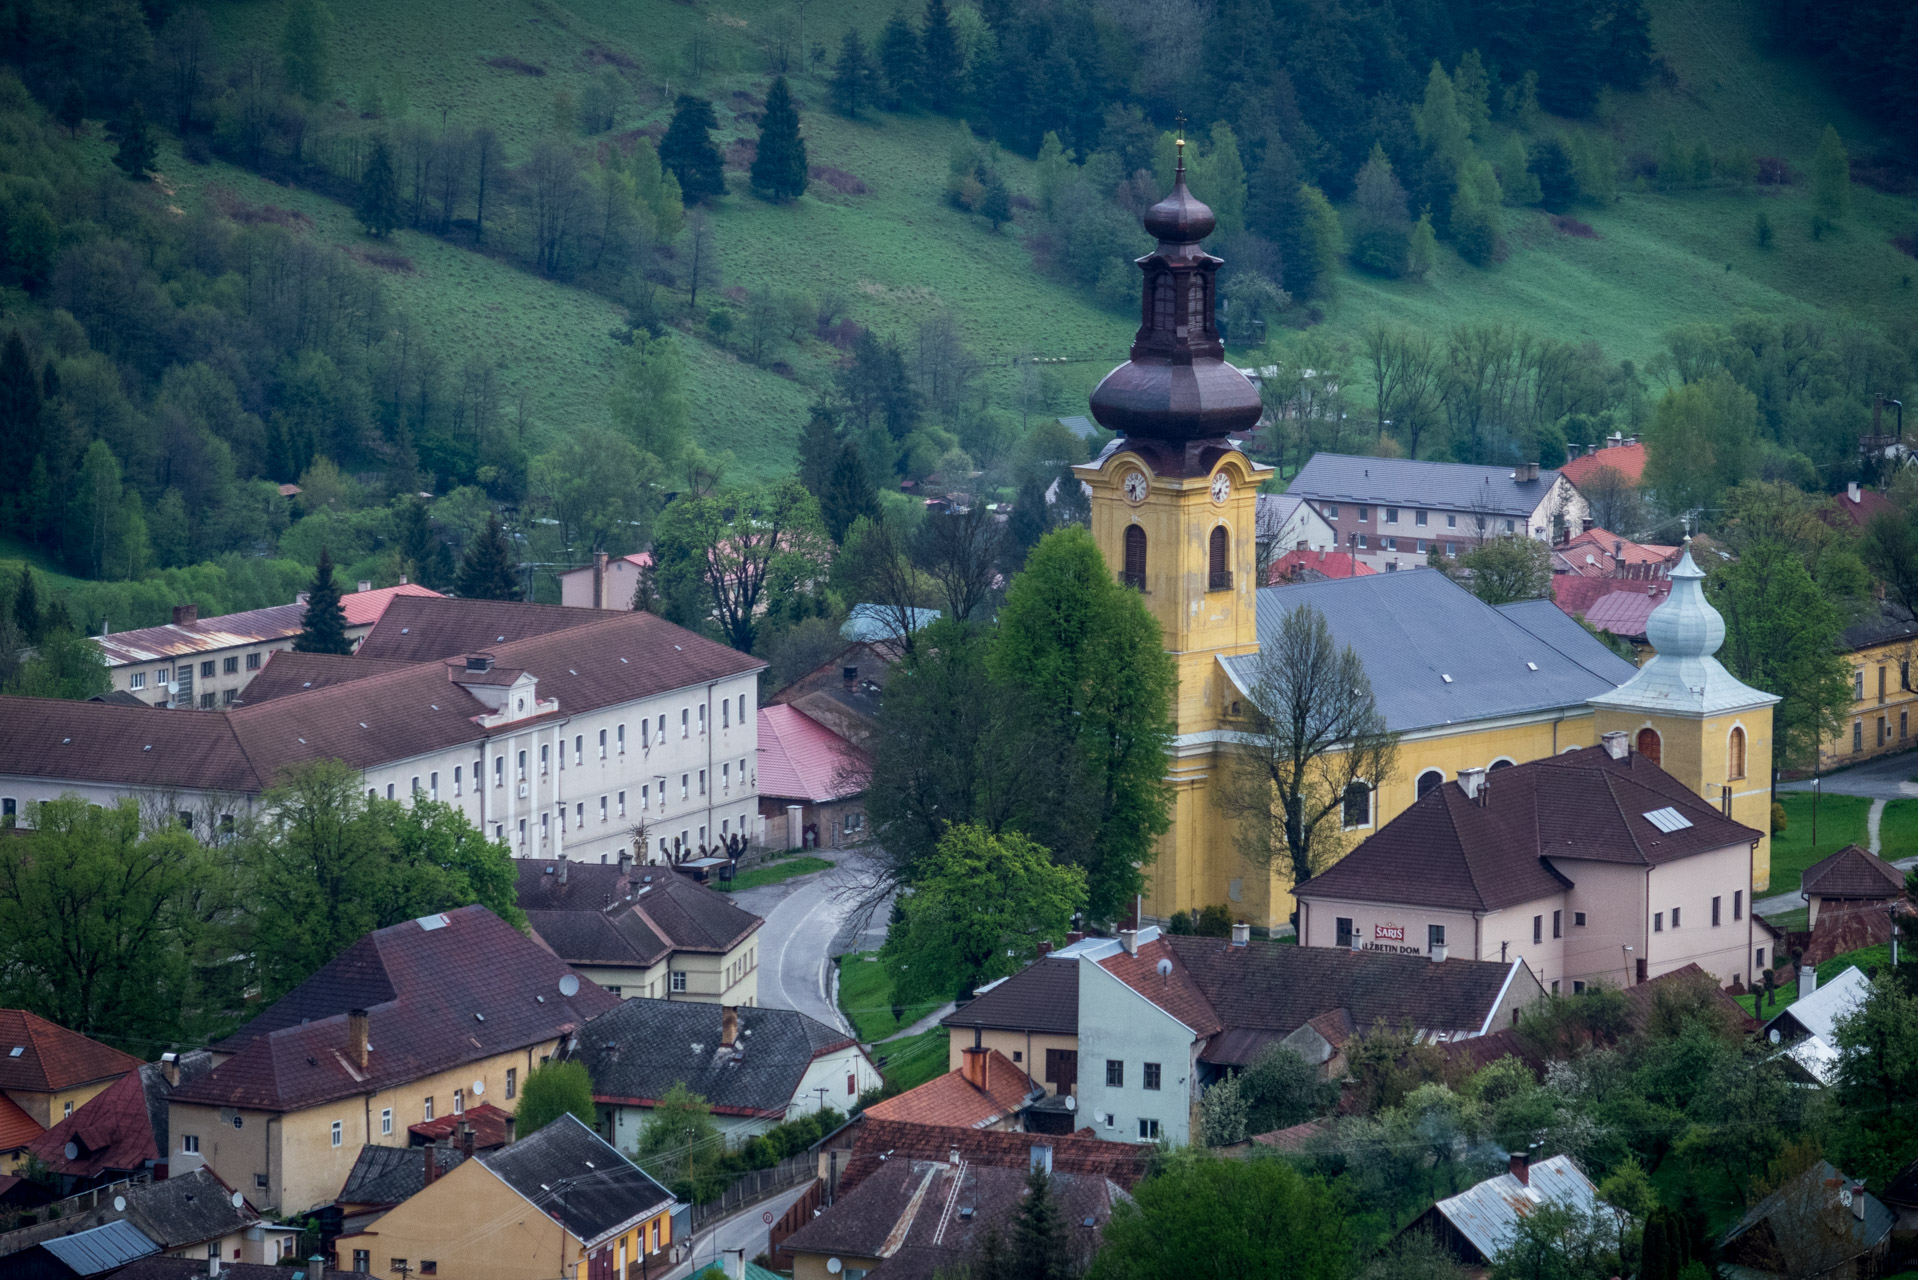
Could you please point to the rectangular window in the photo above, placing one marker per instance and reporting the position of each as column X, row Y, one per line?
column 206, row 671
column 414, row 788
column 1858, row 735
column 389, row 791
column 683, row 779
column 459, row 1102
column 619, row 733
column 512, row 1082
column 661, row 733
column 1418, row 518
column 702, row 717
column 1391, row 544
column 726, row 713
column 1434, row 936
column 726, row 777
column 1759, row 955
column 1361, row 542
column 190, row 1143
column 622, row 804
column 646, row 795
column 456, row 779
column 1554, row 986
column 386, row 1121
column 429, row 1109
column 499, row 771
column 522, row 766
column 252, row 662
column 1451, row 522
column 1578, row 919
column 138, row 680
column 1331, row 511
column 685, row 723
column 206, row 702
column 1738, row 904
column 1715, row 902
column 545, row 759
column 1509, row 528
column 1451, row 548
column 702, row 782
column 579, row 747
column 1858, row 684
column 545, row 826
column 742, row 710
column 226, row 697
column 338, row 1132
column 1538, row 928
column 363, row 1261
column 1148, row 1130
column 230, row 666
column 1151, row 1075
column 602, row 744
column 433, row 779
column 522, row 831
column 678, row 980
column 1658, row 922
column 1558, row 924
column 1675, row 911
column 1365, row 513
column 428, row 1267
column 1343, row 927
column 1391, row 515
column 1115, row 1074
column 1577, row 987
column 1422, row 546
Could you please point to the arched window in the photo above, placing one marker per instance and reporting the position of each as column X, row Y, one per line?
column 1134, row 575
column 1735, row 755
column 1221, row 560
column 1358, row 804
column 1430, row 780
column 1648, row 744
column 1500, row 763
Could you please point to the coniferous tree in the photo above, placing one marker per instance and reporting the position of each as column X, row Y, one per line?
column 687, row 150
column 21, row 432
column 996, row 207
column 72, row 111
column 1381, row 231
column 323, row 627
column 27, row 615
column 849, row 494
column 1551, row 165
column 819, row 449
column 137, row 153
column 422, row 552
column 941, row 66
column 304, row 57
column 487, row 573
column 900, row 58
column 1831, row 178
column 1040, row 1248
column 852, row 76
column 1422, row 251
column 779, row 168
column 379, row 204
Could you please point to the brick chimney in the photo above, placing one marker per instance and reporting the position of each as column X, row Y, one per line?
column 1521, row 1167
column 432, row 1163
column 467, row 1139
column 1045, row 948
column 185, row 615
column 170, row 1068
column 356, row 1045
column 600, row 559
column 976, row 1067
column 728, row 1026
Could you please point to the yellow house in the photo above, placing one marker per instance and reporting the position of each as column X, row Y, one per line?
column 1463, row 684
column 559, row 1204
column 410, row 1023
column 1883, row 716
column 50, row 1072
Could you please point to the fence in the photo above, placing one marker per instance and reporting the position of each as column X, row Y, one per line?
column 756, row 1185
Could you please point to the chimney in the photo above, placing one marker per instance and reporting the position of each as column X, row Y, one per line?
column 1521, row 1167
column 625, row 859
column 728, row 1026
column 356, row 1045
column 1616, row 439
column 976, row 1067
column 1525, row 472
column 213, row 1261
column 299, row 597
column 1439, row 952
column 365, row 585
column 1045, row 948
column 1472, row 783
column 432, row 1163
column 402, row 579
column 1573, row 450
column 1129, row 939
column 1807, row 980
column 316, row 1267
column 1858, row 1201
column 512, row 1129
column 1241, row 933
column 562, row 868
column 170, row 1068
column 1617, row 744
column 1851, row 492
column 599, row 579
column 185, row 615
column 1074, row 936
column 466, row 1139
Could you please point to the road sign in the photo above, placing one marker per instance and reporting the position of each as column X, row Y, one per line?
column 767, row 1217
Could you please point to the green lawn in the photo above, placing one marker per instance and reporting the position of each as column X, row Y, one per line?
column 865, row 997
column 909, row 1063
column 1898, row 830
column 1841, row 821
column 1865, row 959
column 774, row 872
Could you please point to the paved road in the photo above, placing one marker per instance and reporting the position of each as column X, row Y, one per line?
column 1886, row 778
column 746, row 1230
column 809, row 920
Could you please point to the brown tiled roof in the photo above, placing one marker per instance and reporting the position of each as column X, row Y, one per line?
column 1294, row 1138
column 1175, row 992
column 112, row 1131
column 1642, row 998
column 604, row 914
column 1448, row 851
column 1280, row 986
column 428, row 629
column 187, row 1209
column 487, row 1121
column 37, row 1056
column 17, row 1128
column 1043, row 997
column 288, row 672
column 1853, row 872
column 951, row 1099
column 1122, row 1162
column 125, row 746
column 437, row 997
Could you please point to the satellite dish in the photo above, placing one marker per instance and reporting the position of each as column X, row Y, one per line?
column 1844, row 1196
column 119, row 1204
column 479, row 1087
column 239, row 1200
column 1774, row 1035
column 1165, row 968
column 834, row 1265
column 1072, row 1103
column 72, row 1150
column 569, row 985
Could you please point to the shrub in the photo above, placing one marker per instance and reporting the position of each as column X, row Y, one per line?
column 1778, row 819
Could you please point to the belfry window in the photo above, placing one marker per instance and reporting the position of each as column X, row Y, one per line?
column 1195, row 305
column 1134, row 575
column 1162, row 301
column 1220, row 577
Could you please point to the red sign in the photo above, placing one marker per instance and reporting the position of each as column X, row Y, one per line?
column 1388, row 932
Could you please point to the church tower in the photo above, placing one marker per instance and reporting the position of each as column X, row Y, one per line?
column 1687, row 714
column 1174, row 510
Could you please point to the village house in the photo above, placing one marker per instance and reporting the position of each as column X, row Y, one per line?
column 1477, row 1225
column 639, row 929
column 609, row 582
column 121, row 1132
column 48, row 1071
column 1393, row 512
column 843, row 693
column 204, row 663
column 1030, row 1018
column 1287, row 522
column 1617, row 452
column 552, row 729
column 1820, row 1223
column 986, row 1091
column 560, row 1201
column 757, row 1067
column 383, row 1177
column 811, row 781
column 1853, row 881
column 1878, row 651
column 195, row 1215
column 408, row 1024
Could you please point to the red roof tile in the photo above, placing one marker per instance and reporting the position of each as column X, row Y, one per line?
column 885, row 1140
column 951, row 1099
column 1575, row 593
column 112, row 1132
column 801, row 759
column 1625, row 610
column 1862, row 509
column 1175, row 992
column 37, row 1056
column 1321, row 564
column 1621, row 549
column 17, row 1128
column 1626, row 459
column 364, row 608
column 488, row 1123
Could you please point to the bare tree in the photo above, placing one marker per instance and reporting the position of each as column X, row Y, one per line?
column 1614, row 500
column 557, row 200
column 452, row 162
column 1314, row 755
column 186, row 51
column 960, row 553
column 875, row 570
column 486, row 163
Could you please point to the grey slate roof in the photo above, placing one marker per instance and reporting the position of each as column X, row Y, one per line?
column 638, row 1051
column 388, row 1175
column 1413, row 629
column 88, row 1253
column 1271, row 513
column 1402, row 482
column 574, row 1176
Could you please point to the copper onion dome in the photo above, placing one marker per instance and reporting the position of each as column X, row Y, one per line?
column 1177, row 385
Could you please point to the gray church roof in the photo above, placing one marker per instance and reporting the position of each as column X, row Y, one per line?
column 1403, row 482
column 1438, row 655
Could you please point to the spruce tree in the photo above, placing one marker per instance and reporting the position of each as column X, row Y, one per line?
column 379, row 204
column 779, row 168
column 819, row 449
column 1040, row 1249
column 687, row 150
column 137, row 154
column 323, row 628
column 849, row 494
column 900, row 56
column 27, row 614
column 487, row 572
column 852, row 76
column 1381, row 231
column 1551, row 164
column 422, row 553
column 21, row 433
column 304, row 58
column 1422, row 252
column 997, row 205
column 1831, row 178
column 941, row 66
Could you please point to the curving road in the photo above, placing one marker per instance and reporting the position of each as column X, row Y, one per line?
column 810, row 920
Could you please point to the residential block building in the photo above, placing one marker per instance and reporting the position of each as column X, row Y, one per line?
column 1883, row 716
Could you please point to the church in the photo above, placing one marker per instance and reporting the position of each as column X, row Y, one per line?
column 1465, row 685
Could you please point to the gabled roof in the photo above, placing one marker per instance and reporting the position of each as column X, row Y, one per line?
column 572, row 1175
column 388, row 1175
column 1852, row 872
column 1413, row 630
column 1404, row 482
column 1819, row 1012
column 439, row 992
column 1487, row 1215
column 1618, row 549
column 1625, row 610
column 638, row 1051
column 634, row 915
column 489, row 1124
column 1626, row 459
column 1889, row 623
column 111, row 1132
column 1175, row 992
column 254, row 626
column 37, row 1056
column 1809, row 1226
column 1861, row 510
column 287, row 671
column 181, row 1211
column 1311, row 566
column 17, row 1128
column 1536, row 821
column 1575, row 593
column 801, row 759
column 1043, row 997
column 415, row 630
column 951, row 1099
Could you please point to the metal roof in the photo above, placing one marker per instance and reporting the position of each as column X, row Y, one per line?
column 1442, row 486
column 1818, row 1013
column 1487, row 1214
column 1683, row 676
column 870, row 622
column 88, row 1253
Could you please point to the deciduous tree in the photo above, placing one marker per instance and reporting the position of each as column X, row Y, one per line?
column 1205, row 1218
column 1508, row 568
column 728, row 555
column 1781, row 636
column 305, row 59
column 1831, row 178
column 554, row 1089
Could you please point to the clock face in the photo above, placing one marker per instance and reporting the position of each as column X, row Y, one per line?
column 1135, row 486
column 1221, row 487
